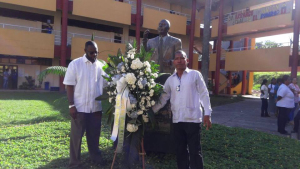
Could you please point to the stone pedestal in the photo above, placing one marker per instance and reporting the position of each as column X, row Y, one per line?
column 160, row 139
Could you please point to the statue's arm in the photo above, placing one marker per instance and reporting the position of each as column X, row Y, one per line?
column 145, row 40
column 178, row 45
column 145, row 44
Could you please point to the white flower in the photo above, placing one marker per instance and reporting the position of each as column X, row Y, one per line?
column 152, row 102
column 148, row 70
column 132, row 127
column 148, row 104
column 108, row 93
column 151, row 91
column 110, row 99
column 132, row 56
column 155, row 75
column 108, row 83
column 130, row 78
column 141, row 86
column 118, row 71
column 147, row 64
column 123, row 69
column 143, row 108
column 136, row 64
column 140, row 112
column 145, row 118
column 133, row 105
column 132, row 51
column 133, row 86
column 141, row 73
column 126, row 60
column 148, row 98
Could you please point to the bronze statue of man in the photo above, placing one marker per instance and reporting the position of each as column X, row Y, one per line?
column 164, row 46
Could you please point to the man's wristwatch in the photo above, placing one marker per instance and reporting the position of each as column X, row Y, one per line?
column 70, row 106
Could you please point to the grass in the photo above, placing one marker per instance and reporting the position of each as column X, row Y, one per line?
column 34, row 133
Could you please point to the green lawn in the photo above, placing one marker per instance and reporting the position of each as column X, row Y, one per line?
column 34, row 133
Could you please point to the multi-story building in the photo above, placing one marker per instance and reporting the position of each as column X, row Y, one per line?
column 35, row 34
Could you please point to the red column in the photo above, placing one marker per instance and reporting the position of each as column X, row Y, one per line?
column 64, row 34
column 229, row 72
column 219, row 47
column 246, row 40
column 192, row 33
column 295, row 53
column 138, row 22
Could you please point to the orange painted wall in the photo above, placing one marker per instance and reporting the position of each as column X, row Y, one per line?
column 197, row 28
column 215, row 27
column 23, row 43
column 272, row 59
column 195, row 61
column 105, row 48
column 212, row 62
column 107, row 10
column 49, row 5
column 153, row 17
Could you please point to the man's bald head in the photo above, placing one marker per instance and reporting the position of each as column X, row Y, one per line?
column 164, row 27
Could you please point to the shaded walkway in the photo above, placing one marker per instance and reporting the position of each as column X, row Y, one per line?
column 246, row 114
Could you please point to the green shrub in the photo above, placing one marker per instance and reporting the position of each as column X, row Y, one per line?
column 260, row 76
column 256, row 87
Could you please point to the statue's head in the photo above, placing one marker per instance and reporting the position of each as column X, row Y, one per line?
column 163, row 27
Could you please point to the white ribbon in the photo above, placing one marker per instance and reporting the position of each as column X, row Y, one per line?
column 122, row 106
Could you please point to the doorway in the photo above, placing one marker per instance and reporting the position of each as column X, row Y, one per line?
column 12, row 70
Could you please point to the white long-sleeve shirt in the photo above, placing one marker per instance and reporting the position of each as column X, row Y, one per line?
column 186, row 96
column 88, row 81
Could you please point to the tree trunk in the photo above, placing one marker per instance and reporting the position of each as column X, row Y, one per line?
column 206, row 38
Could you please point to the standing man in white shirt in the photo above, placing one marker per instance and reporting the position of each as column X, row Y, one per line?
column 187, row 91
column 84, row 83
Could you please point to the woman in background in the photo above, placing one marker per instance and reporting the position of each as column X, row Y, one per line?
column 279, row 82
column 264, row 99
column 272, row 104
column 295, row 89
column 285, row 102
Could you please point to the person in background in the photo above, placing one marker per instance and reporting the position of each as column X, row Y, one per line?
column 5, row 79
column 271, row 87
column 279, row 82
column 285, row 102
column 49, row 27
column 296, row 90
column 264, row 98
column 296, row 122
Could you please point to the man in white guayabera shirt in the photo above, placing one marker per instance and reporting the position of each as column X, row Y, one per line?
column 84, row 83
column 187, row 91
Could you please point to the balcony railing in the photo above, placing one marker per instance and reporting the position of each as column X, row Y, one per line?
column 133, row 9
column 57, row 36
column 285, row 44
column 72, row 35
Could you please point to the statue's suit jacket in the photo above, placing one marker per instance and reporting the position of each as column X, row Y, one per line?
column 170, row 46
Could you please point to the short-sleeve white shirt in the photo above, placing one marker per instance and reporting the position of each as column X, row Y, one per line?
column 266, row 92
column 88, row 81
column 272, row 88
column 287, row 97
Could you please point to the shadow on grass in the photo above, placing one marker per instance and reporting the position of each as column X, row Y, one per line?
column 36, row 120
column 15, row 138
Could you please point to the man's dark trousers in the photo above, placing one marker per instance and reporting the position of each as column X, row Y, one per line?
column 296, row 122
column 188, row 146
column 91, row 124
